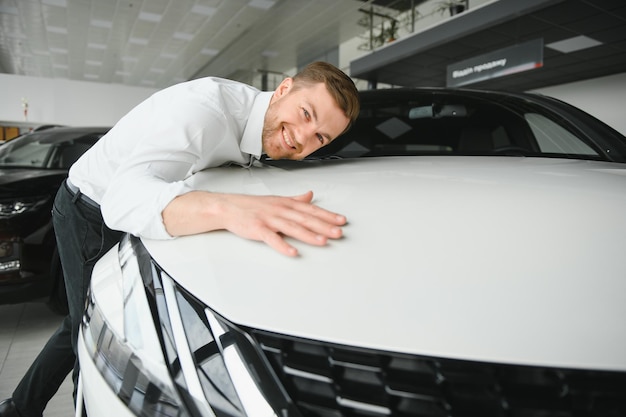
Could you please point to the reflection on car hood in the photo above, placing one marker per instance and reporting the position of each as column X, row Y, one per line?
column 497, row 259
column 25, row 181
column 16, row 174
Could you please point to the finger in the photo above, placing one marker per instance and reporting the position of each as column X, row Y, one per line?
column 317, row 211
column 302, row 232
column 279, row 244
column 310, row 222
column 305, row 198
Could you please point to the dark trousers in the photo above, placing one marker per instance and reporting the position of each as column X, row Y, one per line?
column 82, row 239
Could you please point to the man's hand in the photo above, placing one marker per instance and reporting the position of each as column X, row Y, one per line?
column 264, row 218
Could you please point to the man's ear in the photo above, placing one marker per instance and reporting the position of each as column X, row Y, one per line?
column 283, row 88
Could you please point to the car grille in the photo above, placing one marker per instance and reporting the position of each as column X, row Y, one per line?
column 326, row 380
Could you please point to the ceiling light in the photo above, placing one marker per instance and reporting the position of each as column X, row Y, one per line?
column 60, row 3
column 123, row 73
column 58, row 50
column 96, row 46
column 60, row 66
column 15, row 35
column 55, row 29
column 95, row 63
column 130, row 59
column 573, row 44
column 138, row 41
column 6, row 9
column 210, row 51
column 203, row 10
column 107, row 24
column 261, row 4
column 150, row 17
column 183, row 36
column 269, row 54
column 168, row 56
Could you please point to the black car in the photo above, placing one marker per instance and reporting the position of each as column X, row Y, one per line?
column 32, row 167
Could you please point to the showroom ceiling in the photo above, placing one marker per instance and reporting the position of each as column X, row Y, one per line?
column 155, row 43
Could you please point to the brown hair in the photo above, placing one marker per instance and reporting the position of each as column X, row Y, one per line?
column 339, row 85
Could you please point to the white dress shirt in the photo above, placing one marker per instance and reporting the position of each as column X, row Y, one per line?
column 139, row 166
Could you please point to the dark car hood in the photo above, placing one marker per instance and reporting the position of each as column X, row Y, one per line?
column 28, row 181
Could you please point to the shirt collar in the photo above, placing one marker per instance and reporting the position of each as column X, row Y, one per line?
column 251, row 142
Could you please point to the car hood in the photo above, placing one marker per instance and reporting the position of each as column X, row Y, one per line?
column 500, row 259
column 27, row 181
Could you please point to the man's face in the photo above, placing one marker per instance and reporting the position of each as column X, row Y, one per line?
column 300, row 121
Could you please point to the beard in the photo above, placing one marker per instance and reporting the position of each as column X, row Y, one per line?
column 272, row 136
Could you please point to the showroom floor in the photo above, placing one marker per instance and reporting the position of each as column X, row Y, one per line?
column 24, row 329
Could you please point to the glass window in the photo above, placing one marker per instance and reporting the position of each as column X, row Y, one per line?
column 25, row 153
column 553, row 138
column 48, row 149
column 441, row 122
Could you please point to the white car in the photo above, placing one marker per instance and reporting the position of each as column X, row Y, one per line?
column 481, row 274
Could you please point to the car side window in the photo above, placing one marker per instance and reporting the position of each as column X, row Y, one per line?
column 553, row 138
column 68, row 154
column 29, row 153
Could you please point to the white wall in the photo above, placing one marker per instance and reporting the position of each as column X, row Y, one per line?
column 66, row 102
column 79, row 103
column 604, row 98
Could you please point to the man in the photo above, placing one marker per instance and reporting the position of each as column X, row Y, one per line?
column 132, row 181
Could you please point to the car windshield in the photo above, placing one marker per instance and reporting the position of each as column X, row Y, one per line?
column 47, row 149
column 413, row 122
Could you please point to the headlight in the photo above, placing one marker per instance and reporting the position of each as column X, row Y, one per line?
column 171, row 355
column 10, row 249
column 12, row 208
column 123, row 342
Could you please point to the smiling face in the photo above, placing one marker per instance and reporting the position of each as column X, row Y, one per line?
column 301, row 120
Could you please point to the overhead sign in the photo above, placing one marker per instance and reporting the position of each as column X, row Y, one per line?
column 518, row 58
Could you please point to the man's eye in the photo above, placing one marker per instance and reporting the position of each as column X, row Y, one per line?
column 320, row 138
column 306, row 114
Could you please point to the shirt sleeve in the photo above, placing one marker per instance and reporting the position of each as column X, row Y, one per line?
column 170, row 134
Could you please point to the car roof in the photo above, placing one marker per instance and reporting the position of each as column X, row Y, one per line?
column 492, row 95
column 64, row 133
